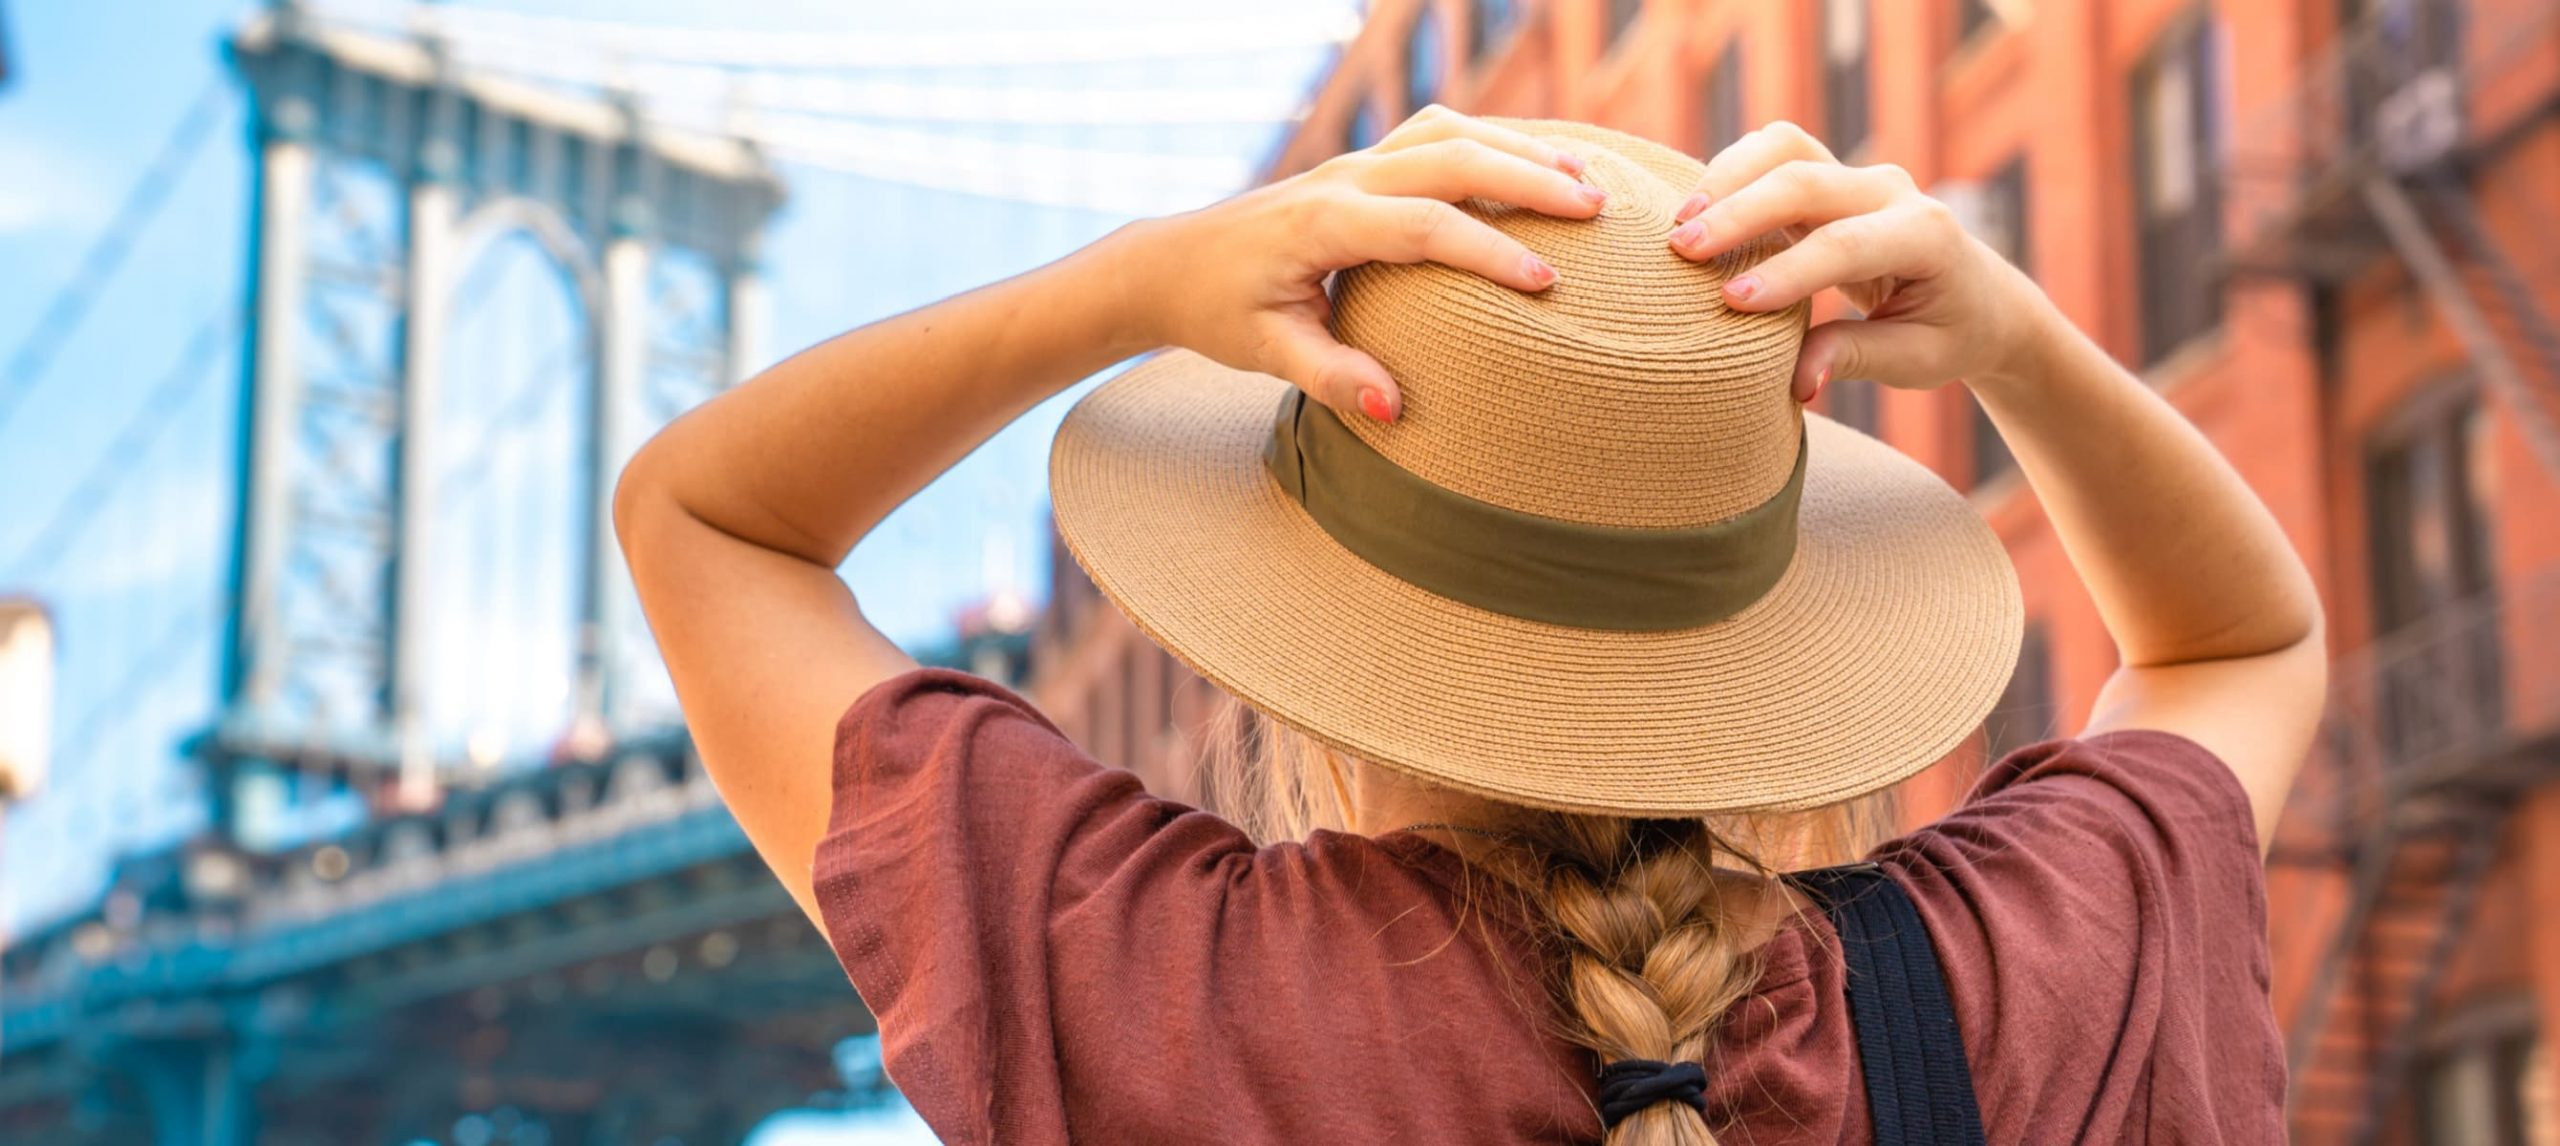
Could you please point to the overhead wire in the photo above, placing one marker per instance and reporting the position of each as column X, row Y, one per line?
column 72, row 301
column 78, row 510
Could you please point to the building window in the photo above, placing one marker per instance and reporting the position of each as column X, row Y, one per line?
column 1622, row 13
column 2178, row 137
column 2428, row 510
column 2004, row 214
column 2404, row 42
column 1426, row 60
column 1489, row 27
column 1091, row 724
column 1844, row 74
column 1973, row 17
column 2025, row 713
column 1720, row 100
column 1367, row 127
column 1853, row 402
column 2486, row 1091
column 1991, row 457
column 1169, row 678
column 2430, row 514
column 1129, row 694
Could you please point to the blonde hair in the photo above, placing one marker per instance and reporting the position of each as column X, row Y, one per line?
column 1649, row 955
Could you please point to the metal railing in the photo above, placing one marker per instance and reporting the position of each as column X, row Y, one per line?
column 2400, row 91
column 2442, row 702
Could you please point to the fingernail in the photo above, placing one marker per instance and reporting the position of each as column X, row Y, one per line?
column 1373, row 402
column 1593, row 195
column 1689, row 234
column 1537, row 270
column 1569, row 163
column 1690, row 209
column 1743, row 288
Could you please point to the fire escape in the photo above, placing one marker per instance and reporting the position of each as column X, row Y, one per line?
column 2435, row 728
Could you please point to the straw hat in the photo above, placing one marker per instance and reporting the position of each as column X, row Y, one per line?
column 1603, row 563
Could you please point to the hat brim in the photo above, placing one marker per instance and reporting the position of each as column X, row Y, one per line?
column 1885, row 644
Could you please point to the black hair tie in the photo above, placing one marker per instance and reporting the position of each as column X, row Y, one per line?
column 1631, row 1084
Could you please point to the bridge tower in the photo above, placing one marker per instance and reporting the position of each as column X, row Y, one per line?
column 381, row 170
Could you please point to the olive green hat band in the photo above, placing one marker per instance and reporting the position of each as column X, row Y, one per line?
column 1524, row 565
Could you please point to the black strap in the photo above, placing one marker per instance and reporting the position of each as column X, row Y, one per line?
column 1919, row 1090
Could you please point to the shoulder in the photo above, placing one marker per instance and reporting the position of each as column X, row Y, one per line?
column 2099, row 910
column 2142, row 790
column 2104, row 830
column 922, row 704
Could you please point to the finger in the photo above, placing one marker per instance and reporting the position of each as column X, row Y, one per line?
column 1436, row 123
column 1902, row 354
column 1897, row 242
column 1411, row 230
column 1750, row 157
column 1348, row 382
column 1454, row 169
column 1799, row 193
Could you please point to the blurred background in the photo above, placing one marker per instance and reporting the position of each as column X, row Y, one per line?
column 342, row 798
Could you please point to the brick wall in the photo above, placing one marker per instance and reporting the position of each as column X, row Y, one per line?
column 2299, row 387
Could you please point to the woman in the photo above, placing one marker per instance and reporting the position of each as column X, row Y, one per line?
column 1575, row 628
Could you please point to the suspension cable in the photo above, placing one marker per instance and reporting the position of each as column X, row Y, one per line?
column 71, row 303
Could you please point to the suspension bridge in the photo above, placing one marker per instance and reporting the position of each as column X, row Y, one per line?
column 451, row 854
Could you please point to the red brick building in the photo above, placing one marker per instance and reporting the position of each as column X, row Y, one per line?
column 2323, row 229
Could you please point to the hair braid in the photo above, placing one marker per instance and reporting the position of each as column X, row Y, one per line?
column 1650, row 956
column 1650, row 963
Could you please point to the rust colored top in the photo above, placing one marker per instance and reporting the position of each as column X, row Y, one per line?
column 1056, row 955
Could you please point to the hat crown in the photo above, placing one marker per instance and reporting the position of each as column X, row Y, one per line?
column 1625, row 394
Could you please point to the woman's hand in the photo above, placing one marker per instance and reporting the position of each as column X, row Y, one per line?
column 1243, row 281
column 1940, row 306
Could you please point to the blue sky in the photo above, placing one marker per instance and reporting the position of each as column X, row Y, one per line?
column 99, row 86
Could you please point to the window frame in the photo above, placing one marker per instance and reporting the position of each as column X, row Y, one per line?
column 1975, row 20
column 1721, row 89
column 1427, row 33
column 1619, row 19
column 2179, row 297
column 1485, row 40
column 1857, row 403
column 2027, row 695
column 1846, row 84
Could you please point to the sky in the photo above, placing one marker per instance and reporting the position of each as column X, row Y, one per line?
column 116, row 466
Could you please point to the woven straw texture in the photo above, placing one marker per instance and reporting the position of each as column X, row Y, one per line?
column 1625, row 395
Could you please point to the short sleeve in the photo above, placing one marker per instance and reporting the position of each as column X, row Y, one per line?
column 1056, row 955
column 963, row 821
column 2099, row 906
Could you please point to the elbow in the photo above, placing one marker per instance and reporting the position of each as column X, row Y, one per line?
column 640, row 495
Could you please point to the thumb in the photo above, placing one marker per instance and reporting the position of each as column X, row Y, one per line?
column 1349, row 382
column 1899, row 354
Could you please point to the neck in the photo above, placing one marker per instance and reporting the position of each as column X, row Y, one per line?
column 1384, row 800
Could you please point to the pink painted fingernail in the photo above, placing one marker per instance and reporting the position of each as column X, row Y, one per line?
column 1373, row 402
column 1569, row 163
column 1593, row 195
column 1743, row 288
column 1689, row 234
column 1690, row 209
column 1537, row 270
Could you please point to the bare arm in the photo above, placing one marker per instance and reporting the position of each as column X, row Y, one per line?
column 2216, row 623
column 735, row 517
column 2215, row 618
